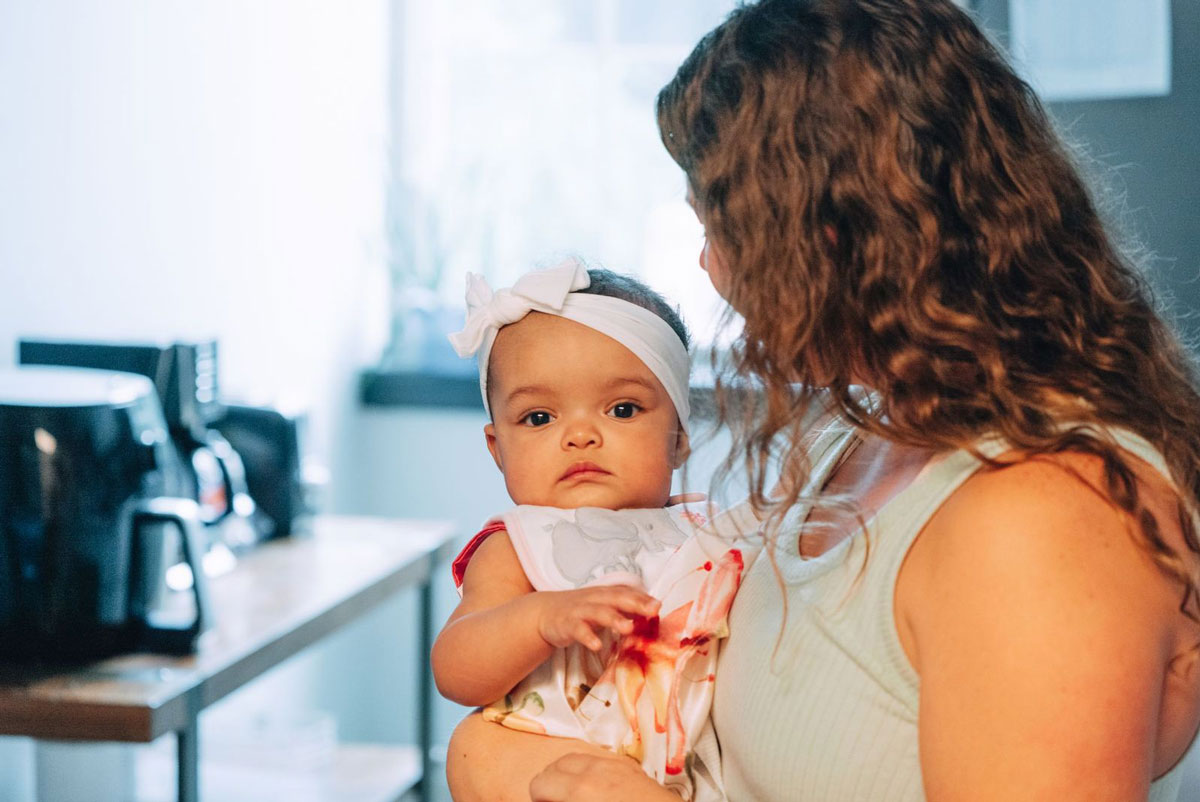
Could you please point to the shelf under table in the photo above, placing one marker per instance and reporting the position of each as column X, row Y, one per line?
column 355, row 773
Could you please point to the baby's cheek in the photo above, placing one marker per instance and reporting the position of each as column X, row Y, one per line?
column 520, row 489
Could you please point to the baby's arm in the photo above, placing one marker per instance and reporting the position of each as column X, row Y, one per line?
column 503, row 629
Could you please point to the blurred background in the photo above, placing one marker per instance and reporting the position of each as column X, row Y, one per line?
column 306, row 182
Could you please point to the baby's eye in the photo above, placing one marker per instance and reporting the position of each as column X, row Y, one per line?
column 538, row 418
column 626, row 409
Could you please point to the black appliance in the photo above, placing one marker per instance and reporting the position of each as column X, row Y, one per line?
column 89, row 494
column 185, row 376
column 270, row 441
column 184, row 373
column 245, row 464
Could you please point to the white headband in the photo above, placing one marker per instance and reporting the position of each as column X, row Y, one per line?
column 648, row 336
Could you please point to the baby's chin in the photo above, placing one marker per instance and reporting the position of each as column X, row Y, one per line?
column 602, row 497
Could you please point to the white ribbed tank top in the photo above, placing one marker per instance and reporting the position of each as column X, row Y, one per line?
column 824, row 708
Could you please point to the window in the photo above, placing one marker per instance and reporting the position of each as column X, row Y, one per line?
column 525, row 132
column 1093, row 49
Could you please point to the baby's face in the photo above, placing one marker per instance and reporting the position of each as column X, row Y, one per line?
column 578, row 420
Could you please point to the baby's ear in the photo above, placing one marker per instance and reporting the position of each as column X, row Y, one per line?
column 683, row 449
column 489, row 433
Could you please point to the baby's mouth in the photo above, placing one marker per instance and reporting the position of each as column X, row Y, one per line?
column 582, row 470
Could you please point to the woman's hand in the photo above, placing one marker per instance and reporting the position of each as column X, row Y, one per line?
column 486, row 762
column 572, row 616
column 580, row 777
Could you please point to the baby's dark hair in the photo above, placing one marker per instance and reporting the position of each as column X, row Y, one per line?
column 628, row 288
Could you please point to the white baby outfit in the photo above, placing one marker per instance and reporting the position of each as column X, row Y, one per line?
column 646, row 694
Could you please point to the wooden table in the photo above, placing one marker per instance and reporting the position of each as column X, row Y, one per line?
column 281, row 597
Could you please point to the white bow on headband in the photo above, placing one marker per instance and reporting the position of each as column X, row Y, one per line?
column 539, row 291
column 553, row 291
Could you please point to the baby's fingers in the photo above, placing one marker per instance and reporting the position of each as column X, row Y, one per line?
column 630, row 600
column 609, row 617
column 587, row 637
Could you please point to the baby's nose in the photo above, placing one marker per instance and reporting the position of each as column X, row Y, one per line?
column 582, row 435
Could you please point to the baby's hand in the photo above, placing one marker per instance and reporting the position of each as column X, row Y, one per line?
column 571, row 616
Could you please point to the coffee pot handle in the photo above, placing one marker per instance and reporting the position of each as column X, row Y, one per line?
column 184, row 514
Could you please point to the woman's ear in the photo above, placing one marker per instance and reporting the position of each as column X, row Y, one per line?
column 489, row 433
column 683, row 449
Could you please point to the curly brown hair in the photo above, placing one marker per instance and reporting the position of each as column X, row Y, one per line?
column 894, row 208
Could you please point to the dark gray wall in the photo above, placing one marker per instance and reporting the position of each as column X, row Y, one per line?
column 1150, row 148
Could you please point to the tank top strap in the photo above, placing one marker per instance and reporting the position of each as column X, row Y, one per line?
column 1125, row 439
column 832, row 443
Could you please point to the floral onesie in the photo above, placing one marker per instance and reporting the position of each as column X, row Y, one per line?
column 646, row 694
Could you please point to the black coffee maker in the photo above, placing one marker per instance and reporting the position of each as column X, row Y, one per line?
column 90, row 487
column 184, row 373
column 244, row 464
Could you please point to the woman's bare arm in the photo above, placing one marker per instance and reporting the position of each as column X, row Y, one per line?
column 1042, row 635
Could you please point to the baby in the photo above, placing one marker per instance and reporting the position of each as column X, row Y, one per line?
column 592, row 610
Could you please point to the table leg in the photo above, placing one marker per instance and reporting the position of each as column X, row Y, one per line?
column 187, row 748
column 425, row 689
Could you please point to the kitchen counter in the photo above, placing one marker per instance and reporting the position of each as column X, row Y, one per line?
column 281, row 597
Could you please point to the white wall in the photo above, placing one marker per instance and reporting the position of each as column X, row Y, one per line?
column 171, row 168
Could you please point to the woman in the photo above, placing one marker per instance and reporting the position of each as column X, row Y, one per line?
column 986, row 569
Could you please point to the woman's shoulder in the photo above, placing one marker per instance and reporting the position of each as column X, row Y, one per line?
column 1051, row 516
column 1038, row 550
